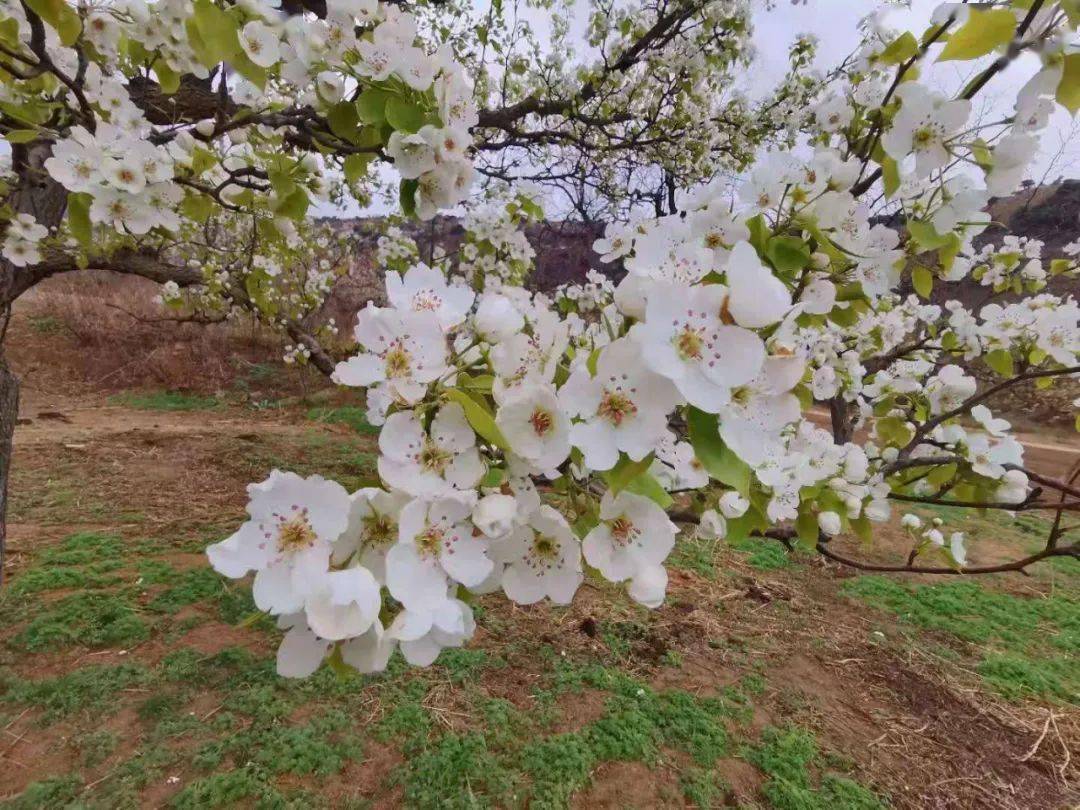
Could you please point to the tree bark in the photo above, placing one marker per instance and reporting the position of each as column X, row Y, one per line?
column 9, row 414
column 38, row 194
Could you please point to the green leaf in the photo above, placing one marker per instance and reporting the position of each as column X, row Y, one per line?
column 738, row 529
column 923, row 281
column 593, row 359
column 1001, row 361
column 863, row 528
column 69, row 26
column 201, row 160
column 625, row 471
column 337, row 664
column 986, row 30
column 890, row 173
column 295, row 205
column 242, row 64
column 78, row 216
column 759, row 233
column 48, row 10
column 356, row 166
column 371, row 106
column 212, row 34
column 197, row 207
column 344, row 120
column 948, row 252
column 806, row 527
column 788, row 254
column 407, row 197
column 942, row 475
column 21, row 135
column 717, row 458
column 479, row 417
column 924, row 234
column 404, row 115
column 648, row 487
column 894, row 431
column 168, row 79
column 1068, row 90
column 493, row 477
column 900, row 49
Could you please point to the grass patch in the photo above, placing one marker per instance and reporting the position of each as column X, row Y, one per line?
column 91, row 618
column 90, row 688
column 352, row 415
column 790, row 757
column 1029, row 644
column 164, row 401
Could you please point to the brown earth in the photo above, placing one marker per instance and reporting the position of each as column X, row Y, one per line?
column 916, row 727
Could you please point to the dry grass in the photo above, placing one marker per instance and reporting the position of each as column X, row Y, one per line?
column 96, row 332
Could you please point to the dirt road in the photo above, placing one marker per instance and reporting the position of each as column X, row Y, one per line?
column 1050, row 453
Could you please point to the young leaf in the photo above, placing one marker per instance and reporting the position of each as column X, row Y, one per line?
column 1001, row 361
column 343, row 120
column 890, row 174
column 925, row 235
column 403, row 115
column 625, row 471
column 407, row 197
column 900, row 49
column 787, row 253
column 479, row 417
column 923, row 281
column 371, row 106
column 356, row 166
column 986, row 30
column 717, row 458
column 1068, row 90
column 647, row 486
column 78, row 216
column 21, row 135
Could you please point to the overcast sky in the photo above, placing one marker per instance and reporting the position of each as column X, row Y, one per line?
column 835, row 24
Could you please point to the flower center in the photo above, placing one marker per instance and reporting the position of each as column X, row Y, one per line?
column 398, row 362
column 429, row 541
column 379, row 531
column 295, row 534
column 689, row 343
column 923, row 136
column 433, row 458
column 426, row 300
column 622, row 530
column 615, row 406
column 542, row 421
column 545, row 548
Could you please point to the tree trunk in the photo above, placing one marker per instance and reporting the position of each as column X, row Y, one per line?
column 9, row 414
column 38, row 194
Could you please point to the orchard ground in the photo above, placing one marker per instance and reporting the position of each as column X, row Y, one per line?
column 132, row 675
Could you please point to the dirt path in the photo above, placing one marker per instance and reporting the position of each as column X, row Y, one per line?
column 83, row 423
column 1052, row 453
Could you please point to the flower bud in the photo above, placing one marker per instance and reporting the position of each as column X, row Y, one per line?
column 733, row 505
column 712, row 525
column 829, row 523
column 494, row 514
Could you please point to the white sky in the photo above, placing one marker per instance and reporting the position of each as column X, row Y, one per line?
column 835, row 24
